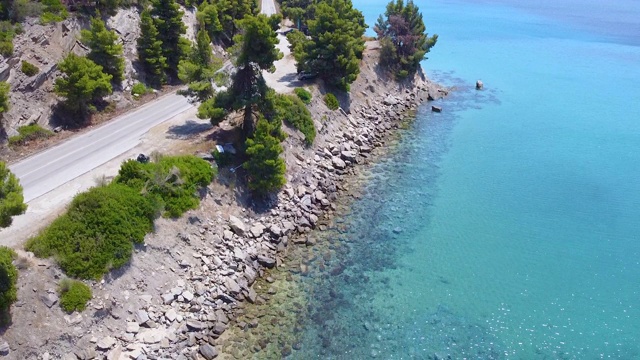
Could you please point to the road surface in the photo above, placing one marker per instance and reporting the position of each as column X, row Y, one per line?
column 268, row 7
column 54, row 167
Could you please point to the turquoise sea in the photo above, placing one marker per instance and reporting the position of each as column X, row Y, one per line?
column 507, row 226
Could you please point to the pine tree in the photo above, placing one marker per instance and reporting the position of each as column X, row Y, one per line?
column 11, row 199
column 404, row 43
column 199, row 68
column 83, row 82
column 208, row 17
column 106, row 50
column 335, row 46
column 150, row 51
column 265, row 167
column 167, row 18
column 255, row 50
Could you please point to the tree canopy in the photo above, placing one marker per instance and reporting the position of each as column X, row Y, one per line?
column 167, row 18
column 199, row 69
column 83, row 82
column 106, row 51
column 265, row 167
column 404, row 42
column 255, row 50
column 8, row 280
column 11, row 199
column 335, row 46
column 150, row 50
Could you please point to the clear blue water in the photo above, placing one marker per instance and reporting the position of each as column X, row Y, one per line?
column 506, row 227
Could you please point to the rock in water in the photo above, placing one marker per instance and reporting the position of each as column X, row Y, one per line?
column 479, row 85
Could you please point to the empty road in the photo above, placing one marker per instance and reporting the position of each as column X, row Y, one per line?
column 54, row 167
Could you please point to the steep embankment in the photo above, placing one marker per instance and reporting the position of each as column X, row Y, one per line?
column 194, row 275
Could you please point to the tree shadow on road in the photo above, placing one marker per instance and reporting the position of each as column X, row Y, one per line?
column 188, row 130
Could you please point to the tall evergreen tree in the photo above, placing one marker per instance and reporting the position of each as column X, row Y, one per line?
column 404, row 42
column 335, row 46
column 198, row 70
column 150, row 51
column 255, row 50
column 106, row 50
column 265, row 167
column 167, row 18
column 82, row 83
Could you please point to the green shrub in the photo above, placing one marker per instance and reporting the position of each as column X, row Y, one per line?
column 331, row 101
column 97, row 232
column 8, row 278
column 29, row 133
column 303, row 94
column 74, row 295
column 139, row 89
column 54, row 11
column 172, row 181
column 29, row 69
column 292, row 110
column 7, row 32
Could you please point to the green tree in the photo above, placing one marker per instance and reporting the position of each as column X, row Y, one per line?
column 82, row 83
column 8, row 279
column 265, row 167
column 4, row 97
column 255, row 50
column 209, row 18
column 150, row 52
column 404, row 42
column 198, row 70
column 335, row 46
column 11, row 199
column 106, row 51
column 167, row 18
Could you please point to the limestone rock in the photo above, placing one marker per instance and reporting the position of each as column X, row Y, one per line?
column 142, row 317
column 257, row 229
column 50, row 299
column 338, row 163
column 237, row 225
column 208, row 351
column 4, row 348
column 170, row 315
column 196, row 325
column 106, row 343
column 266, row 261
column 479, row 85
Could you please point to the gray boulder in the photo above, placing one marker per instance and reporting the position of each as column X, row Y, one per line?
column 237, row 225
column 208, row 351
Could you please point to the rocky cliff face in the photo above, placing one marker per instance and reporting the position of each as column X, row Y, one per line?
column 32, row 97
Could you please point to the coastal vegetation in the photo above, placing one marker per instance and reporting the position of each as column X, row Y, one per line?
column 331, row 101
column 28, row 68
column 74, row 295
column 403, row 40
column 106, row 50
column 265, row 166
column 11, row 198
column 4, row 97
column 29, row 133
column 101, row 226
column 303, row 94
column 200, row 69
column 83, row 83
column 8, row 279
column 334, row 47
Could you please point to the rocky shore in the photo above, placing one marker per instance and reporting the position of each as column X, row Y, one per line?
column 193, row 278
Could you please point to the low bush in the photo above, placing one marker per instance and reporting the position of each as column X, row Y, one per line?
column 29, row 133
column 74, row 295
column 7, row 32
column 97, row 232
column 172, row 181
column 53, row 11
column 331, row 101
column 8, row 278
column 139, row 89
column 292, row 110
column 100, row 227
column 303, row 94
column 28, row 68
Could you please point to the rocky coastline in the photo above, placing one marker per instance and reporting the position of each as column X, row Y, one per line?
column 194, row 277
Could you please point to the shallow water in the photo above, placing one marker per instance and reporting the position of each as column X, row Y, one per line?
column 505, row 227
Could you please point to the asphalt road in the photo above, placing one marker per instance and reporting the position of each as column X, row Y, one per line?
column 268, row 7
column 55, row 166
